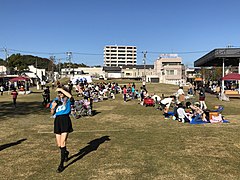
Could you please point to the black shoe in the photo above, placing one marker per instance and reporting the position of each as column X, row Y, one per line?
column 60, row 169
column 66, row 156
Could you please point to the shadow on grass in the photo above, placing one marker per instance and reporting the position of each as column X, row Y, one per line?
column 7, row 110
column 94, row 112
column 35, row 92
column 93, row 146
column 5, row 146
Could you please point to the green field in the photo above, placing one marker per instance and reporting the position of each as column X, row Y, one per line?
column 121, row 141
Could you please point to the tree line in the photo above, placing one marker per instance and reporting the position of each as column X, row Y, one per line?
column 20, row 63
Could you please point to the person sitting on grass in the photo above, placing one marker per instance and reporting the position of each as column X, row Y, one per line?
column 182, row 115
column 197, row 113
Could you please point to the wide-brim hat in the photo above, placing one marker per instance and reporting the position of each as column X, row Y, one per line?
column 196, row 103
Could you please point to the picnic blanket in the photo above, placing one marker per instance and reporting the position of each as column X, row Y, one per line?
column 200, row 121
column 204, row 122
column 170, row 113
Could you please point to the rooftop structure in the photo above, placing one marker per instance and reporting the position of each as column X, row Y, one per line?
column 231, row 56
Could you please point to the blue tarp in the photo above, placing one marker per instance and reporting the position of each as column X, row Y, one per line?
column 198, row 121
column 203, row 122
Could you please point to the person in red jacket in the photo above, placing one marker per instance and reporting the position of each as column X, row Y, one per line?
column 14, row 96
column 125, row 93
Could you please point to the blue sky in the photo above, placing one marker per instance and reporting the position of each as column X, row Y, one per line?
column 86, row 26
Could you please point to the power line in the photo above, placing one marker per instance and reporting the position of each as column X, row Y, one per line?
column 32, row 52
column 100, row 54
column 178, row 52
column 90, row 54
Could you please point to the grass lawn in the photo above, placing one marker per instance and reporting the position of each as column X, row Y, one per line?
column 122, row 141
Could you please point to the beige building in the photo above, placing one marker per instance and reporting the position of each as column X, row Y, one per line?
column 92, row 71
column 166, row 69
column 3, row 70
column 137, row 71
column 169, row 69
column 120, row 55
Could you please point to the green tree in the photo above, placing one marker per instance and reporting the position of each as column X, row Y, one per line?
column 2, row 62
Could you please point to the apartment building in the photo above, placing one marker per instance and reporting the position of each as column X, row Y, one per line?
column 169, row 69
column 115, row 56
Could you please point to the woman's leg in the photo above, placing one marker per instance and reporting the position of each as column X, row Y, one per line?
column 61, row 141
column 204, row 105
column 201, row 104
column 58, row 140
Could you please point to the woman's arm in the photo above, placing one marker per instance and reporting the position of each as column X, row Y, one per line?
column 64, row 92
column 54, row 104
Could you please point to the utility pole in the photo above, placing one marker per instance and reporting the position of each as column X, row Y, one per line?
column 144, row 63
column 59, row 67
column 6, row 57
column 52, row 58
column 69, row 59
column 36, row 67
column 6, row 53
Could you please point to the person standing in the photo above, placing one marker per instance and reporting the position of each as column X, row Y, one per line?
column 46, row 95
column 133, row 92
column 124, row 93
column 190, row 89
column 14, row 94
column 61, row 108
column 70, row 86
column 1, row 89
column 202, row 98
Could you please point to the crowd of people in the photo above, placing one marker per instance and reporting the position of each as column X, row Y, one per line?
column 181, row 108
column 177, row 106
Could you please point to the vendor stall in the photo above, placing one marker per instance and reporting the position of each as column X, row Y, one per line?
column 232, row 92
column 221, row 57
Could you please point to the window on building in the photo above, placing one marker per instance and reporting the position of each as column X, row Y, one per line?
column 128, row 74
column 170, row 63
column 169, row 72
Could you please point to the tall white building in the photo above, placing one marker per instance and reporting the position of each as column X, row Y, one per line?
column 120, row 55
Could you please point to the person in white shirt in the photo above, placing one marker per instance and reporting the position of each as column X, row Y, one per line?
column 1, row 89
column 182, row 115
column 166, row 102
column 180, row 95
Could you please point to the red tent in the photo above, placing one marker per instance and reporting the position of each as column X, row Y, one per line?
column 20, row 78
column 232, row 76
